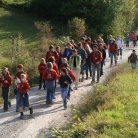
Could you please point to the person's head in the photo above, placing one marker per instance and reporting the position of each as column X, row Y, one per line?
column 66, row 65
column 110, row 36
column 133, row 51
column 79, row 45
column 19, row 68
column 72, row 42
column 58, row 49
column 74, row 52
column 51, row 59
column 101, row 46
column 65, row 60
column 42, row 61
column 51, row 48
column 5, row 71
column 87, row 48
column 49, row 65
column 118, row 37
column 113, row 41
column 63, row 71
column 94, row 42
column 69, row 46
column 23, row 78
column 83, row 39
column 95, row 48
column 89, row 39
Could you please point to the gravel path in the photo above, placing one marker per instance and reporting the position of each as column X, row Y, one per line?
column 45, row 117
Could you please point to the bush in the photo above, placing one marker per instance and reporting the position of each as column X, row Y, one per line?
column 77, row 28
column 45, row 34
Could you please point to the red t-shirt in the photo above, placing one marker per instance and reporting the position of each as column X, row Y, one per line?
column 50, row 75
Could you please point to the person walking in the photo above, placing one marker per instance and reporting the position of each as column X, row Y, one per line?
column 133, row 59
column 5, row 82
column 68, row 51
column 113, row 49
column 60, row 57
column 120, row 44
column 109, row 41
column 127, row 40
column 95, row 60
column 74, row 64
column 133, row 38
column 64, row 82
column 72, row 76
column 88, row 65
column 41, row 69
column 82, row 54
column 23, row 90
column 52, row 53
column 102, row 50
column 50, row 76
column 136, row 33
column 17, row 78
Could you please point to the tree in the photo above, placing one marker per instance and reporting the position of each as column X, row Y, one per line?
column 77, row 28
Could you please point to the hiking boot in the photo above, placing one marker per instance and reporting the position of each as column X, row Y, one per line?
column 5, row 110
column 65, row 107
column 87, row 78
column 82, row 79
column 21, row 115
column 9, row 103
column 39, row 88
column 31, row 110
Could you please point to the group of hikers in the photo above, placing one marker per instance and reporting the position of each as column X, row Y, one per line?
column 77, row 63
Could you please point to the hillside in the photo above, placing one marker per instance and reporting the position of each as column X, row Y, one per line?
column 12, row 22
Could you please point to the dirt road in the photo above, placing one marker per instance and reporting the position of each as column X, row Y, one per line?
column 44, row 116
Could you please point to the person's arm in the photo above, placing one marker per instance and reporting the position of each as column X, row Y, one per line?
column 100, row 57
column 56, row 57
column 104, row 54
column 47, row 56
column 65, row 53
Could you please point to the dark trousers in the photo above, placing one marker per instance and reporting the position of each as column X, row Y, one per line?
column 127, row 43
column 101, row 71
column 88, row 67
column 41, row 81
column 69, row 89
column 134, row 42
column 5, row 94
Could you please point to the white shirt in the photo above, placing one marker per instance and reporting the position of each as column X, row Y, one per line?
column 136, row 32
column 120, row 43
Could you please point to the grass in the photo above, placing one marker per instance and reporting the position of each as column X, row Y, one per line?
column 115, row 114
column 110, row 111
column 12, row 22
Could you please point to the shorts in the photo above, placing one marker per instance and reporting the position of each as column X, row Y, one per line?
column 23, row 100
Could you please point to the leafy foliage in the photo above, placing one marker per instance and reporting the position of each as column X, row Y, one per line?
column 77, row 28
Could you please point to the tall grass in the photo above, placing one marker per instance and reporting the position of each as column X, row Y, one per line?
column 110, row 111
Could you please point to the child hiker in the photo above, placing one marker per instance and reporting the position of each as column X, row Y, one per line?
column 23, row 95
column 63, row 62
column 64, row 82
column 41, row 69
column 50, row 76
column 72, row 76
column 133, row 59
column 5, row 81
column 17, row 78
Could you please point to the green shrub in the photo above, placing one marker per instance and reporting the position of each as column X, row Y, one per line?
column 77, row 28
